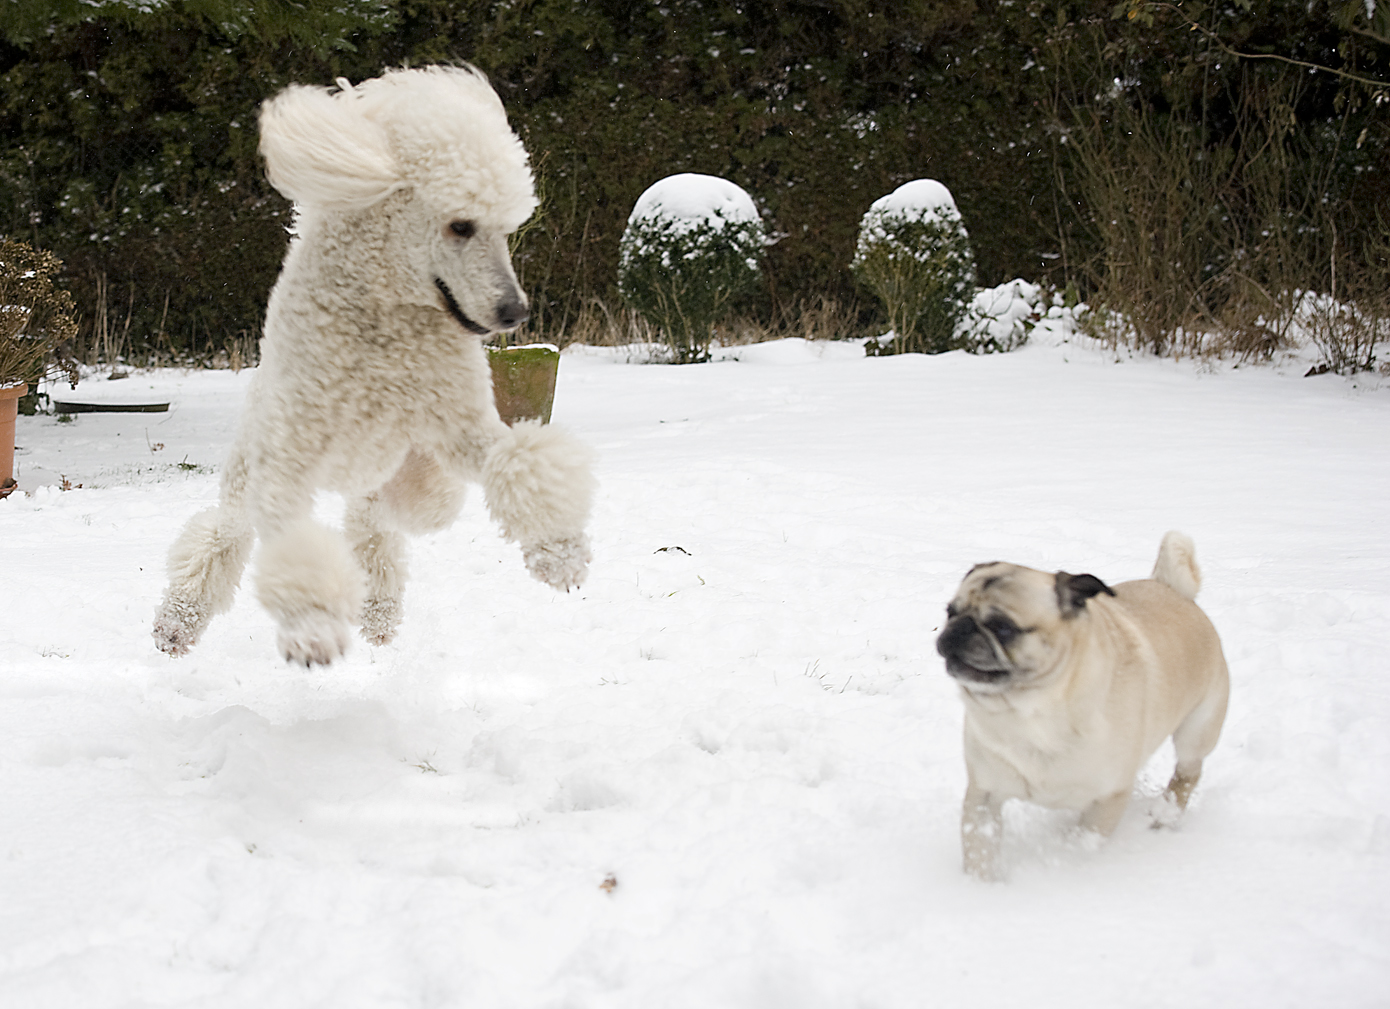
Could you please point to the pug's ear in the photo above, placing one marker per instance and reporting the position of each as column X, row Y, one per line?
column 1074, row 590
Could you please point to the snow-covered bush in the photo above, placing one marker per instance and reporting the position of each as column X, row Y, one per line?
column 999, row 319
column 692, row 244
column 914, row 254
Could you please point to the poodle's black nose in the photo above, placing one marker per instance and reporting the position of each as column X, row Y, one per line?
column 511, row 314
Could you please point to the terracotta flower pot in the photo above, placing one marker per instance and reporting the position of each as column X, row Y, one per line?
column 9, row 409
column 523, row 381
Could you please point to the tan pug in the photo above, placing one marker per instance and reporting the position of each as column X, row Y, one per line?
column 1071, row 685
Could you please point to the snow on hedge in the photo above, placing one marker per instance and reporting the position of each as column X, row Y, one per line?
column 692, row 244
column 692, row 199
column 999, row 319
column 920, row 199
column 914, row 254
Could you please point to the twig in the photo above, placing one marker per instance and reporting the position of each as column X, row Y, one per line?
column 1211, row 35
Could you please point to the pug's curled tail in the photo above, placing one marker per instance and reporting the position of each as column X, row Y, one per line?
column 1176, row 566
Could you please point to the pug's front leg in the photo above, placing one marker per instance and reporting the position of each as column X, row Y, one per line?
column 981, row 830
column 1103, row 815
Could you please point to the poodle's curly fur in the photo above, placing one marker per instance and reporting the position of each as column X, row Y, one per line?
column 373, row 381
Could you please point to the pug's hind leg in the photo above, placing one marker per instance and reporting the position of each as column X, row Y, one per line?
column 1184, row 780
column 1103, row 815
column 981, row 830
column 1193, row 740
column 1168, row 808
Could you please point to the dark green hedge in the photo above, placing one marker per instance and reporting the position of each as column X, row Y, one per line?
column 130, row 150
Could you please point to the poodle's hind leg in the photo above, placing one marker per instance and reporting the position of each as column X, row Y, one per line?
column 311, row 584
column 205, row 566
column 381, row 554
column 419, row 498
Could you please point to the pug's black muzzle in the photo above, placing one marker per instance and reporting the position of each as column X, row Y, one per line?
column 972, row 654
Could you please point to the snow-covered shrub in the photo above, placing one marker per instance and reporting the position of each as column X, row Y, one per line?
column 999, row 319
column 692, row 244
column 914, row 253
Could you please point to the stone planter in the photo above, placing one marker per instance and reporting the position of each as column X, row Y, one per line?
column 523, row 381
column 9, row 409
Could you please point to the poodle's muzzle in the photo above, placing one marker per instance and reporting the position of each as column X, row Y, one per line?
column 510, row 311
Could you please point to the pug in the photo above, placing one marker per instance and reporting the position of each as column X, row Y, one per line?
column 1070, row 685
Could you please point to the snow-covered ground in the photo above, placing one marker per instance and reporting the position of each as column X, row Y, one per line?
column 739, row 723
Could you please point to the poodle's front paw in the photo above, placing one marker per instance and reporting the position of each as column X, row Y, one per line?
column 561, row 564
column 380, row 618
column 178, row 623
column 314, row 637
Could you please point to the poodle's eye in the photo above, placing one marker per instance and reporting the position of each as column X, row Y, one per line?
column 463, row 229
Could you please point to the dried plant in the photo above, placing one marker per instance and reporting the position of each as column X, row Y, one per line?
column 1213, row 244
column 36, row 318
column 819, row 318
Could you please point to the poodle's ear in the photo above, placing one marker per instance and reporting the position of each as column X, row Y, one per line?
column 320, row 151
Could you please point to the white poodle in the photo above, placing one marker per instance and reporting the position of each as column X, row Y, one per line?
column 373, row 380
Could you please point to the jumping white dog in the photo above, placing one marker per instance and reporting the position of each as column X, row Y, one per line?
column 373, row 380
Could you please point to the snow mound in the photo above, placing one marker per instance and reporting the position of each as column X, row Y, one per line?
column 918, row 200
column 896, row 223
column 999, row 319
column 695, row 199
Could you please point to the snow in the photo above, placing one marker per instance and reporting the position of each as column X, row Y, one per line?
column 692, row 199
column 920, row 199
column 727, row 772
column 1001, row 317
column 920, row 202
column 684, row 216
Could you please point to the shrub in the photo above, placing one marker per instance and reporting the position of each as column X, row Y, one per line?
column 693, row 244
column 35, row 317
column 999, row 319
column 914, row 254
column 1346, row 334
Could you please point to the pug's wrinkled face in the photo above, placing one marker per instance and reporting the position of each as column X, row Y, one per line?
column 1009, row 626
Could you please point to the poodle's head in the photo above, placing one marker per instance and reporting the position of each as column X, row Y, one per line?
column 440, row 138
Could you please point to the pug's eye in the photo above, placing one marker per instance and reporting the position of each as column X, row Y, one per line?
column 462, row 229
column 1003, row 629
column 951, row 611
